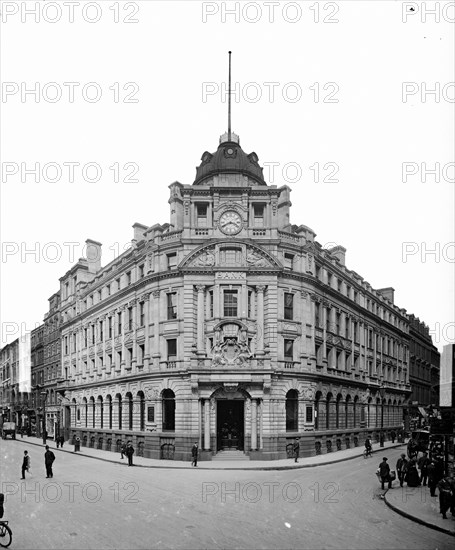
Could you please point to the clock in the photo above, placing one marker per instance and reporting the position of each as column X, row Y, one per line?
column 230, row 222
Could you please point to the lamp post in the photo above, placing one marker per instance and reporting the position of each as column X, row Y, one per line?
column 382, row 394
column 44, row 394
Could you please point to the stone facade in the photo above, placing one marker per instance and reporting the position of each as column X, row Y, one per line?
column 229, row 327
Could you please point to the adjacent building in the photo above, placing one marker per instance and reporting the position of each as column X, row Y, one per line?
column 231, row 327
column 423, row 373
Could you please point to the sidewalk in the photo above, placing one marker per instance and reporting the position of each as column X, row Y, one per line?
column 417, row 504
column 284, row 464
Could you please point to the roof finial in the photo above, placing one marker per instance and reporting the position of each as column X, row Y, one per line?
column 229, row 100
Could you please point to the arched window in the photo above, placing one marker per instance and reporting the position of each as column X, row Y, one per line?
column 141, row 398
column 109, row 406
column 100, row 406
column 129, row 398
column 168, row 409
column 92, row 407
column 85, row 407
column 292, row 411
column 119, row 406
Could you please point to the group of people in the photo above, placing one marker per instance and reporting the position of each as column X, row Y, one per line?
column 49, row 459
column 127, row 449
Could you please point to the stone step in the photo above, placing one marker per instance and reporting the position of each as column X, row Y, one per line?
column 230, row 455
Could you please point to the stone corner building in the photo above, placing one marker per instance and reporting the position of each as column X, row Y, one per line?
column 229, row 327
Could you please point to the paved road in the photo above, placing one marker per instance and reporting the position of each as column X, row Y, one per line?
column 94, row 504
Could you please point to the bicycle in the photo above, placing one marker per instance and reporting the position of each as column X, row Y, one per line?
column 367, row 453
column 6, row 535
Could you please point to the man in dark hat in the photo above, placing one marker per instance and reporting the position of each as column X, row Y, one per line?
column 296, row 449
column 49, row 458
column 402, row 464
column 384, row 473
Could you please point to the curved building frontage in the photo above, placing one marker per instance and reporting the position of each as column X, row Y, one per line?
column 230, row 327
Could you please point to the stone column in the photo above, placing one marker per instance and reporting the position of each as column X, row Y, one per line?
column 254, row 427
column 156, row 328
column 207, row 424
column 260, row 289
column 146, row 299
column 200, row 319
column 134, row 305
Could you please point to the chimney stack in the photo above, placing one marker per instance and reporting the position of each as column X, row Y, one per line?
column 93, row 255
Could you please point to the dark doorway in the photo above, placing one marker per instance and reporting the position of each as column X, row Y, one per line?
column 230, row 424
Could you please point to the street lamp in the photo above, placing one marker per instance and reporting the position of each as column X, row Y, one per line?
column 44, row 394
column 382, row 393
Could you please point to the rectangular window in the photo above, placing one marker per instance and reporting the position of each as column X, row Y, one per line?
column 317, row 317
column 337, row 320
column 141, row 314
column 130, row 318
column 109, row 360
column 119, row 322
column 230, row 303
column 201, row 215
column 118, row 283
column 289, row 350
column 101, row 331
column 172, row 349
column 141, row 271
column 128, row 278
column 100, row 361
column 171, row 305
column 108, row 290
column 258, row 215
column 93, row 334
column 99, row 295
column 308, row 414
column 288, row 306
column 66, row 345
column 140, row 359
column 211, row 303
column 150, row 414
column 250, row 303
column 172, row 260
column 74, row 342
column 289, row 261
column 109, row 324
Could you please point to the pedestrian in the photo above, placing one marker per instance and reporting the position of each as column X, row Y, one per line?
column 381, row 439
column 122, row 450
column 432, row 482
column 401, row 466
column 57, row 441
column 422, row 464
column 296, row 449
column 129, row 451
column 393, row 435
column 368, row 447
column 25, row 464
column 412, row 475
column 384, row 473
column 194, row 453
column 62, row 440
column 445, row 496
column 49, row 458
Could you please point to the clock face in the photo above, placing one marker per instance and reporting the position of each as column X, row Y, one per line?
column 230, row 222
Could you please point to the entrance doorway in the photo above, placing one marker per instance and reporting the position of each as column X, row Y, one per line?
column 230, row 424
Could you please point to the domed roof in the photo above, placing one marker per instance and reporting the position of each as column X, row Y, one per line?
column 229, row 159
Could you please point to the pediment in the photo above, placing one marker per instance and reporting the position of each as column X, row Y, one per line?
column 230, row 254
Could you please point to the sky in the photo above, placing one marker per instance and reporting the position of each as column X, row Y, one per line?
column 350, row 103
